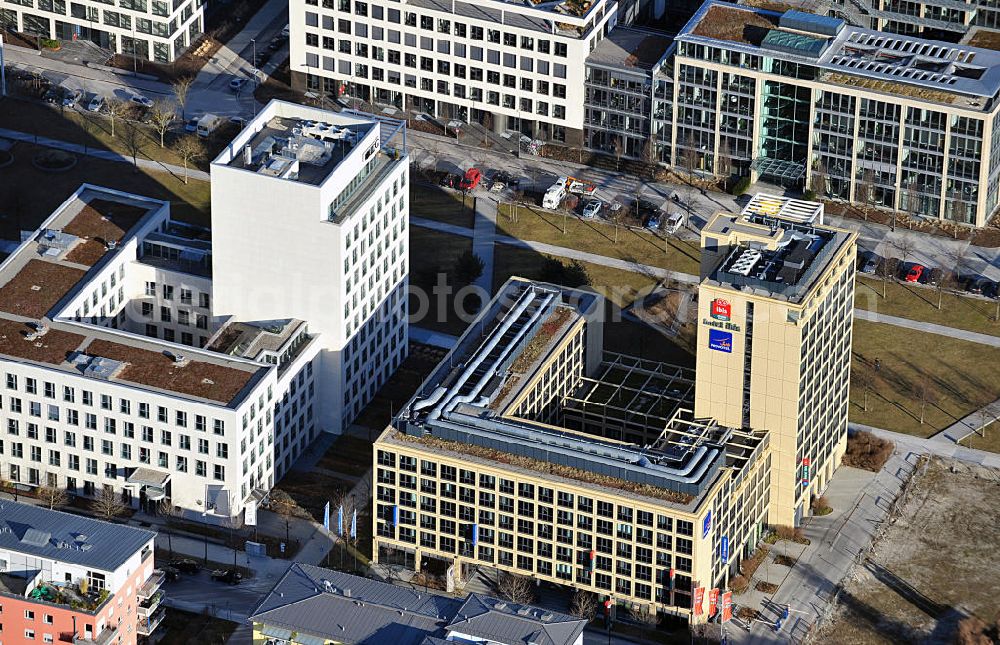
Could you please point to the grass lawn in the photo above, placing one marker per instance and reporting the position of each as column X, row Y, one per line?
column 348, row 455
column 398, row 390
column 443, row 205
column 962, row 377
column 184, row 627
column 621, row 288
column 597, row 236
column 920, row 303
column 312, row 490
column 29, row 195
column 93, row 130
column 432, row 259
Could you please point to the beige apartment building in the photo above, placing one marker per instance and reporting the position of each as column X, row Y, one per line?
column 774, row 339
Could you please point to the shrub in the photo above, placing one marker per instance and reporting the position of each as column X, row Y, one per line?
column 972, row 631
column 821, row 506
column 809, row 195
column 766, row 587
column 50, row 43
column 749, row 565
column 866, row 451
column 738, row 584
column 741, row 186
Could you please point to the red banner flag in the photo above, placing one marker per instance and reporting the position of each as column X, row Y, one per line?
column 713, row 602
column 727, row 606
column 697, row 599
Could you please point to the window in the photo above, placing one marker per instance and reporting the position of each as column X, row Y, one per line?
column 168, row 292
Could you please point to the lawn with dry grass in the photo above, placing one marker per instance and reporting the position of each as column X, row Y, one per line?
column 735, row 25
column 960, row 377
column 935, row 564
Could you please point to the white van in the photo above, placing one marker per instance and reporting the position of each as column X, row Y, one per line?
column 208, row 124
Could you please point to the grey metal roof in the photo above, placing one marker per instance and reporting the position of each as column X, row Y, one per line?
column 350, row 609
column 505, row 622
column 55, row 535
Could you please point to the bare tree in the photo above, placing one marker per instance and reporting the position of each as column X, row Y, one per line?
column 724, row 166
column 584, row 604
column 864, row 378
column 688, row 159
column 618, row 146
column 161, row 116
column 53, row 496
column 926, row 394
column 181, row 88
column 116, row 109
column 817, row 178
column 108, row 504
column 166, row 509
column 864, row 191
column 283, row 504
column 886, row 269
column 905, row 246
column 190, row 149
column 515, row 588
column 134, row 140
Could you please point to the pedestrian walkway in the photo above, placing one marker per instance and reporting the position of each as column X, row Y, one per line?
column 107, row 155
column 971, row 423
column 930, row 328
column 483, row 236
column 944, row 449
column 231, row 57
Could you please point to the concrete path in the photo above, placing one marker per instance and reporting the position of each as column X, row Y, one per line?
column 235, row 58
column 971, row 423
column 932, row 446
column 930, row 328
column 483, row 237
column 107, row 155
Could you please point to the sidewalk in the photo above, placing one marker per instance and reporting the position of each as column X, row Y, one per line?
column 971, row 423
column 930, row 328
column 483, row 237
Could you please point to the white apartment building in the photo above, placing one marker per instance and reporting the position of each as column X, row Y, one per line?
column 509, row 66
column 157, row 30
column 309, row 219
column 90, row 400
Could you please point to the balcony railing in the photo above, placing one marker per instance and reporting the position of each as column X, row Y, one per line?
column 149, row 607
column 152, row 584
column 109, row 634
column 147, row 626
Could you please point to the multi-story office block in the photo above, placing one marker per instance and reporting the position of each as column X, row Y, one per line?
column 530, row 451
column 775, row 307
column 508, row 66
column 158, row 30
column 95, row 395
column 309, row 220
column 619, row 95
column 70, row 579
column 851, row 113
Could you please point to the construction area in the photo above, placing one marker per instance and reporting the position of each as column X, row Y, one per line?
column 932, row 575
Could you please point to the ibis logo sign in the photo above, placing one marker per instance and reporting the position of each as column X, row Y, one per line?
column 721, row 309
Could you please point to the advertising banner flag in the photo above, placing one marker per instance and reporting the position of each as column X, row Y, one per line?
column 727, row 606
column 713, row 602
column 697, row 600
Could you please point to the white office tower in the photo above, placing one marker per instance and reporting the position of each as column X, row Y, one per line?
column 309, row 216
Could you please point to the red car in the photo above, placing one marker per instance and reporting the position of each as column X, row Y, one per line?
column 913, row 275
column 471, row 179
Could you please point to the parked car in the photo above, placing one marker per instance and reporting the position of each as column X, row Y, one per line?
column 96, row 103
column 170, row 573
column 593, row 208
column 192, row 124
column 869, row 264
column 229, row 576
column 449, row 181
column 990, row 289
column 976, row 285
column 50, row 96
column 471, row 179
column 237, row 84
column 930, row 276
column 238, row 120
column 653, row 222
column 141, row 101
column 185, row 566
column 507, row 178
column 913, row 275
column 285, row 31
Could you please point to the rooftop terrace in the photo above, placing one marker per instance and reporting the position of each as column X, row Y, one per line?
column 781, row 257
column 630, row 49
